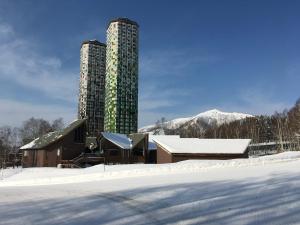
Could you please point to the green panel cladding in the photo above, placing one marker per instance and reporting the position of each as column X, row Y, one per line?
column 121, row 84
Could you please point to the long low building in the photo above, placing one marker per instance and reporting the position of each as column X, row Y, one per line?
column 175, row 149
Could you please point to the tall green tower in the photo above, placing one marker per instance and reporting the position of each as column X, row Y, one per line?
column 121, row 84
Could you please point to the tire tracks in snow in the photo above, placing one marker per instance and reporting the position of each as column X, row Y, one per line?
column 139, row 207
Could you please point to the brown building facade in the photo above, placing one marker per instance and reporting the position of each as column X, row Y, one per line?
column 121, row 149
column 50, row 149
column 163, row 156
column 174, row 150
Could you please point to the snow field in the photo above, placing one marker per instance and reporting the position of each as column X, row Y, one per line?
column 263, row 190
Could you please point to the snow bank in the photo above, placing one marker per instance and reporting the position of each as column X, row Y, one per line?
column 46, row 176
column 5, row 173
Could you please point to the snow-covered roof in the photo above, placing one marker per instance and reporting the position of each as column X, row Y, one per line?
column 151, row 143
column 154, row 137
column 120, row 140
column 51, row 137
column 203, row 146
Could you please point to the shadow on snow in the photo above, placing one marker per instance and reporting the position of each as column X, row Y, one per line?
column 272, row 201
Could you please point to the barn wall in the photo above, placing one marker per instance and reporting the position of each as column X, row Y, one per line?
column 69, row 149
column 28, row 161
column 135, row 158
column 163, row 156
column 114, row 154
column 51, row 158
column 181, row 157
column 115, row 158
column 139, row 152
column 40, row 158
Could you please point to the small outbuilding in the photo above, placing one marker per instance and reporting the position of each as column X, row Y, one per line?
column 152, row 146
column 121, row 148
column 175, row 149
column 132, row 148
column 115, row 147
column 50, row 149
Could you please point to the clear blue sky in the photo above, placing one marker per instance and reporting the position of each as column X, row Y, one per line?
column 241, row 56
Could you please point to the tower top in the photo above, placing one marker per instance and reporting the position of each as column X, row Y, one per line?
column 123, row 20
column 94, row 42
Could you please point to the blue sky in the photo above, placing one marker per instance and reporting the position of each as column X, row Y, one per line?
column 241, row 56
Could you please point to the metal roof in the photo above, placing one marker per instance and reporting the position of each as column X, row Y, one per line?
column 121, row 140
column 152, row 145
column 51, row 137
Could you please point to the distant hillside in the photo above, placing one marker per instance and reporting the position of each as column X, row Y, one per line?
column 202, row 120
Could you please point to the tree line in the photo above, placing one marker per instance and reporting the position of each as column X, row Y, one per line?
column 281, row 127
column 11, row 138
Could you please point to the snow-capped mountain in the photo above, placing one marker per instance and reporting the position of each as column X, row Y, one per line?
column 211, row 117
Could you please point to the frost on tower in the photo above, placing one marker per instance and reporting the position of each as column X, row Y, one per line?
column 121, row 84
column 91, row 85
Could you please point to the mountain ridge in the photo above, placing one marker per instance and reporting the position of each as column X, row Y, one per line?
column 211, row 117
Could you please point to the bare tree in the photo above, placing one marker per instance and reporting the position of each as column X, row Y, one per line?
column 34, row 128
column 57, row 124
column 5, row 133
column 160, row 126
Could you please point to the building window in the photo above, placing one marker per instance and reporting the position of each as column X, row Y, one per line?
column 79, row 135
column 25, row 153
column 58, row 152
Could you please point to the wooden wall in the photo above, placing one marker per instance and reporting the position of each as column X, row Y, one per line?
column 47, row 156
column 163, row 156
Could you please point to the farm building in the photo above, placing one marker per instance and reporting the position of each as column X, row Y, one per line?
column 50, row 149
column 175, row 149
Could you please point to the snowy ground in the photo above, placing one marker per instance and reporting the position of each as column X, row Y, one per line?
column 263, row 190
